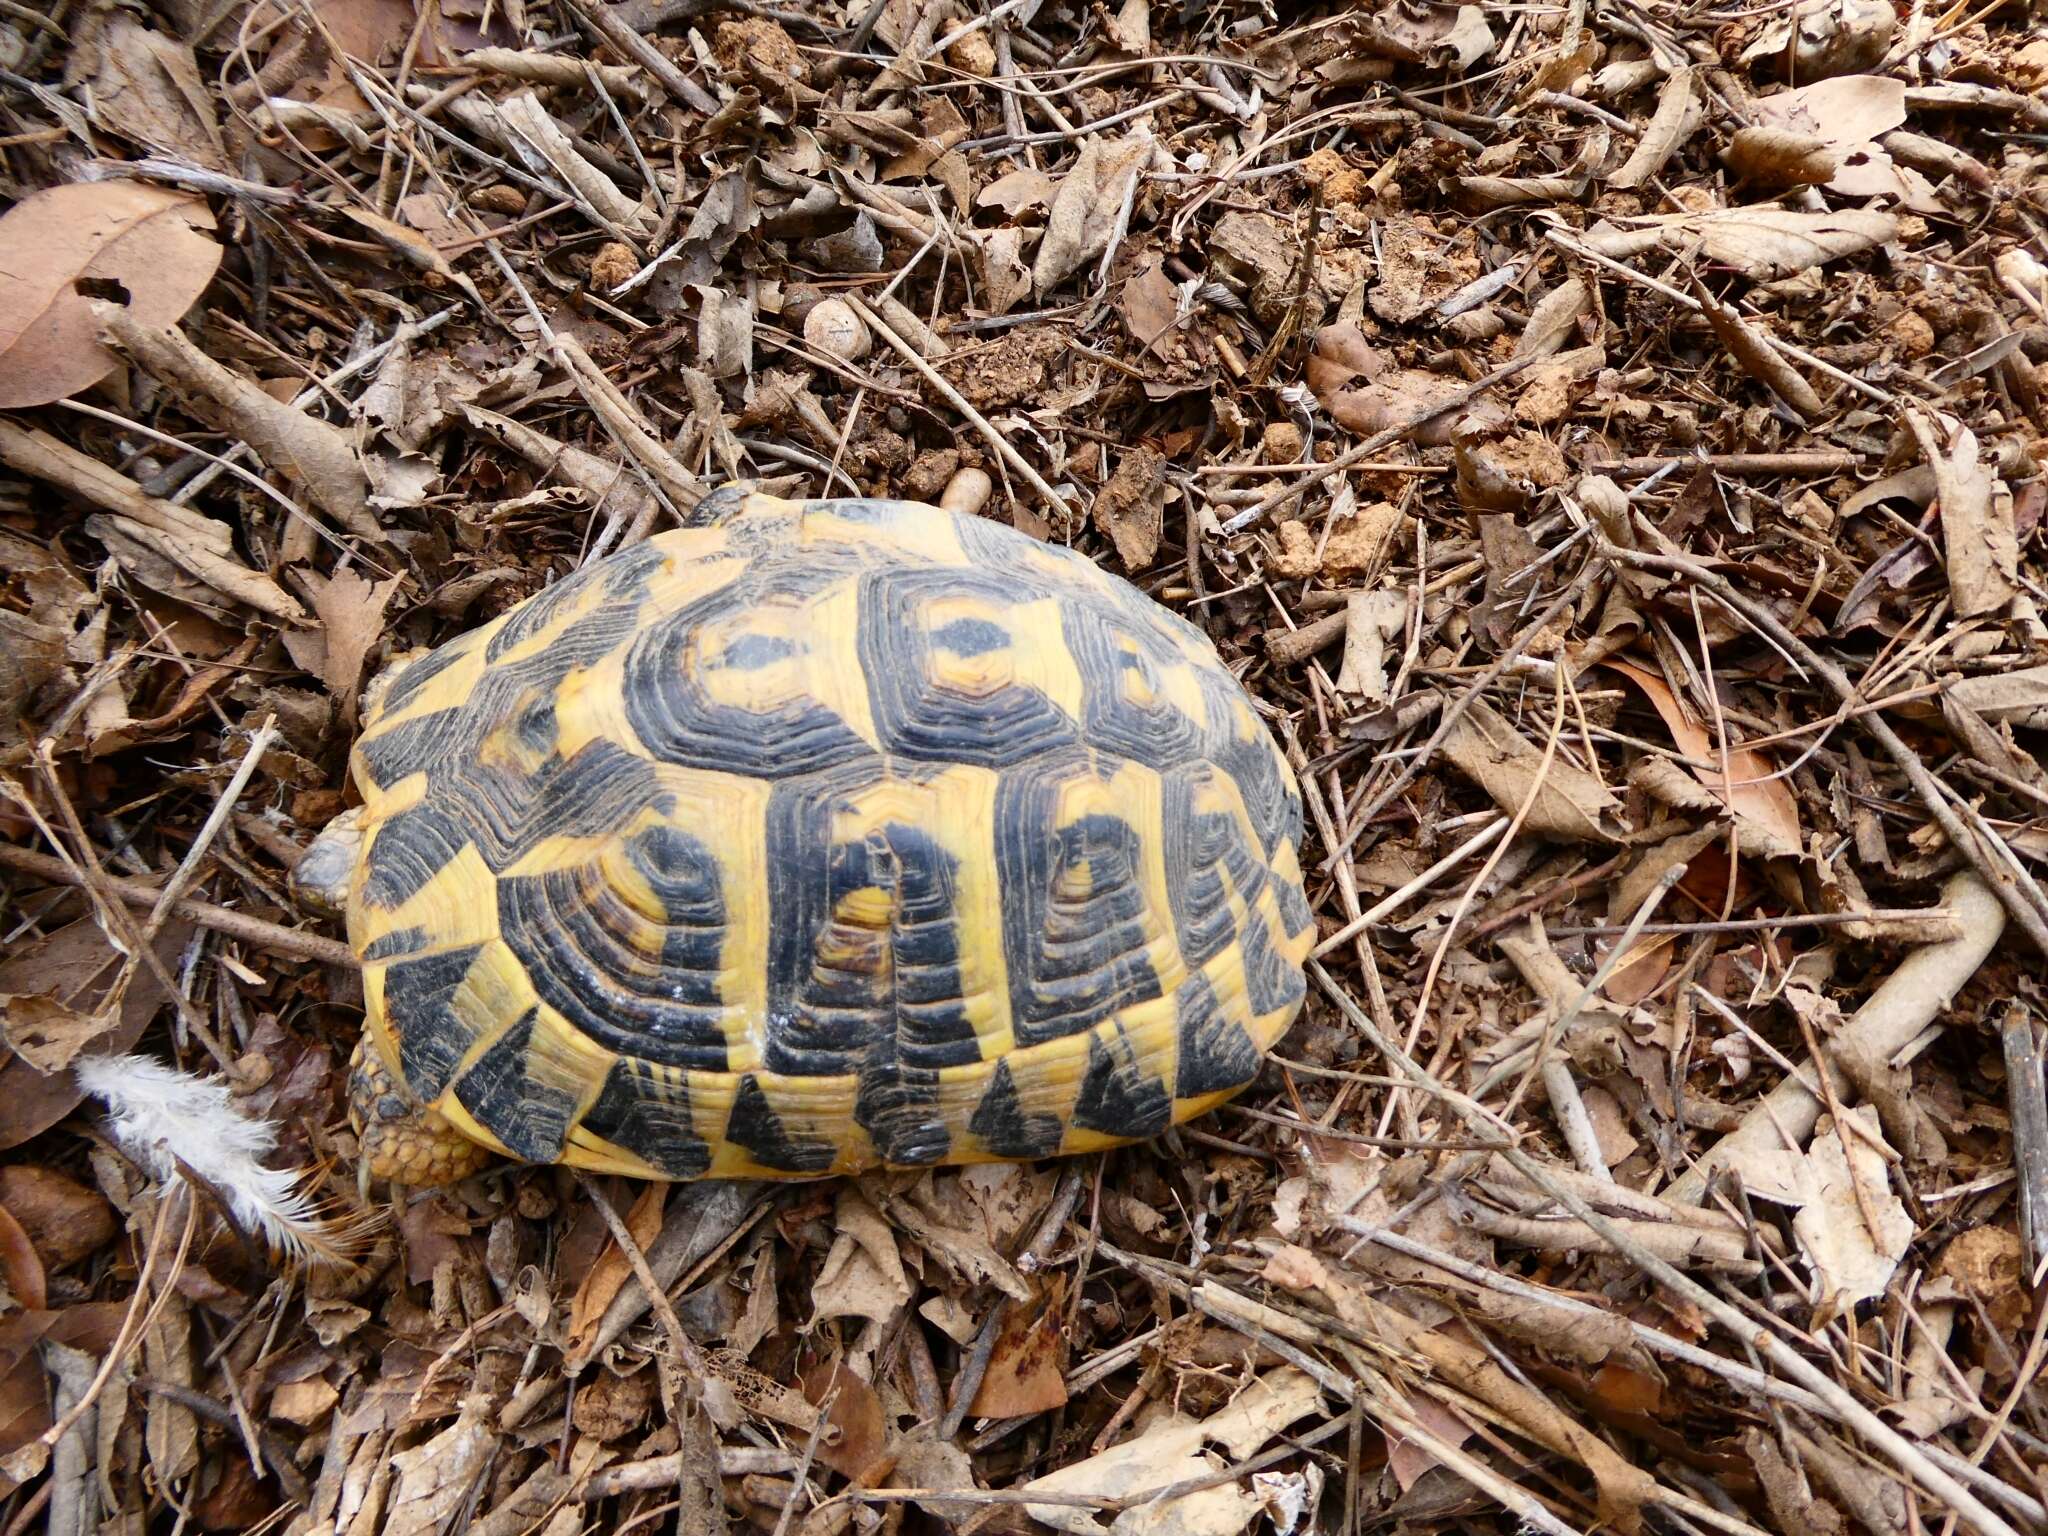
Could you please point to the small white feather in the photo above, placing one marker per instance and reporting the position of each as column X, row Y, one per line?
column 164, row 1118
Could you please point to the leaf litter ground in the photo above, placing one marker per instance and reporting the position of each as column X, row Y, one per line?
column 1606, row 440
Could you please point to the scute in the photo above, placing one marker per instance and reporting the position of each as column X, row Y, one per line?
column 823, row 836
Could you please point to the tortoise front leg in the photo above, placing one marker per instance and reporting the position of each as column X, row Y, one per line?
column 403, row 1141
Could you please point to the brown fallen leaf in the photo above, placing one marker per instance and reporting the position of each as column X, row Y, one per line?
column 608, row 1276
column 862, row 1275
column 1755, row 356
column 1571, row 806
column 45, row 1033
column 149, row 241
column 1086, row 208
column 76, row 966
column 431, row 1481
column 148, row 88
column 1977, row 530
column 1027, row 1370
column 1677, row 118
column 351, row 611
column 318, row 455
column 21, row 1268
column 65, row 1220
column 1554, row 319
column 1762, row 804
column 1762, row 243
column 849, row 1406
column 1152, row 305
column 1130, row 509
column 1780, row 158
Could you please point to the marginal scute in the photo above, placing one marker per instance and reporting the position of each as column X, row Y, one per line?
column 1212, row 1053
column 417, row 996
column 755, row 1126
column 1006, row 1127
column 645, row 1112
column 1119, row 1095
column 527, row 1110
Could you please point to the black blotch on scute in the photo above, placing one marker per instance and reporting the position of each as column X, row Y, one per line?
column 397, row 944
column 1269, row 981
column 650, row 1119
column 971, row 637
column 1118, row 1096
column 749, row 652
column 1000, row 1121
column 529, row 1115
column 1214, row 1052
column 897, row 1107
column 414, row 676
column 756, row 1129
column 431, row 1040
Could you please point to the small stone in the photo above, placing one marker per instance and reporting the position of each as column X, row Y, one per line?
column 834, row 327
column 1295, row 559
column 1359, row 545
column 503, row 198
column 1912, row 335
column 1281, row 443
column 926, row 479
column 613, row 264
column 974, row 54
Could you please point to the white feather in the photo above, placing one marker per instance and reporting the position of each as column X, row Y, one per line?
column 170, row 1121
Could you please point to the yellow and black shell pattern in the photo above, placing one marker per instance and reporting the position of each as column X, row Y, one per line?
column 835, row 834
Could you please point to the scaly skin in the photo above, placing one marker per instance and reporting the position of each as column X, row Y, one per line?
column 404, row 1142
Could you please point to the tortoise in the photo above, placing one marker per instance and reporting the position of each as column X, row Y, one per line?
column 822, row 836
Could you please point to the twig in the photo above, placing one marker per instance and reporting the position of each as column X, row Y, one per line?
column 2029, row 1110
column 236, row 925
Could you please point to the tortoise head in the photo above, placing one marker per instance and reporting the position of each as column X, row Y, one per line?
column 402, row 1140
column 320, row 879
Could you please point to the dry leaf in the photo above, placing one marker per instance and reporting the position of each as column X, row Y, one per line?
column 74, row 965
column 608, row 1276
column 1131, row 508
column 1977, row 530
column 1152, row 305
column 317, row 455
column 1755, row 356
column 1677, row 118
column 1764, row 242
column 149, row 89
column 1852, row 1263
column 1027, row 1370
column 863, row 1274
column 351, row 611
column 1174, row 1449
column 1554, row 319
column 1408, row 1461
column 1765, row 809
column 65, row 1220
column 1780, row 158
column 431, row 1482
column 1086, row 209
column 1572, row 806
column 21, row 1267
column 147, row 241
column 46, row 1034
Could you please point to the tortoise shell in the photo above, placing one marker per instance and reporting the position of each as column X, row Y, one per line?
column 835, row 834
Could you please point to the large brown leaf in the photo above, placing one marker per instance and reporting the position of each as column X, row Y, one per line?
column 147, row 243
